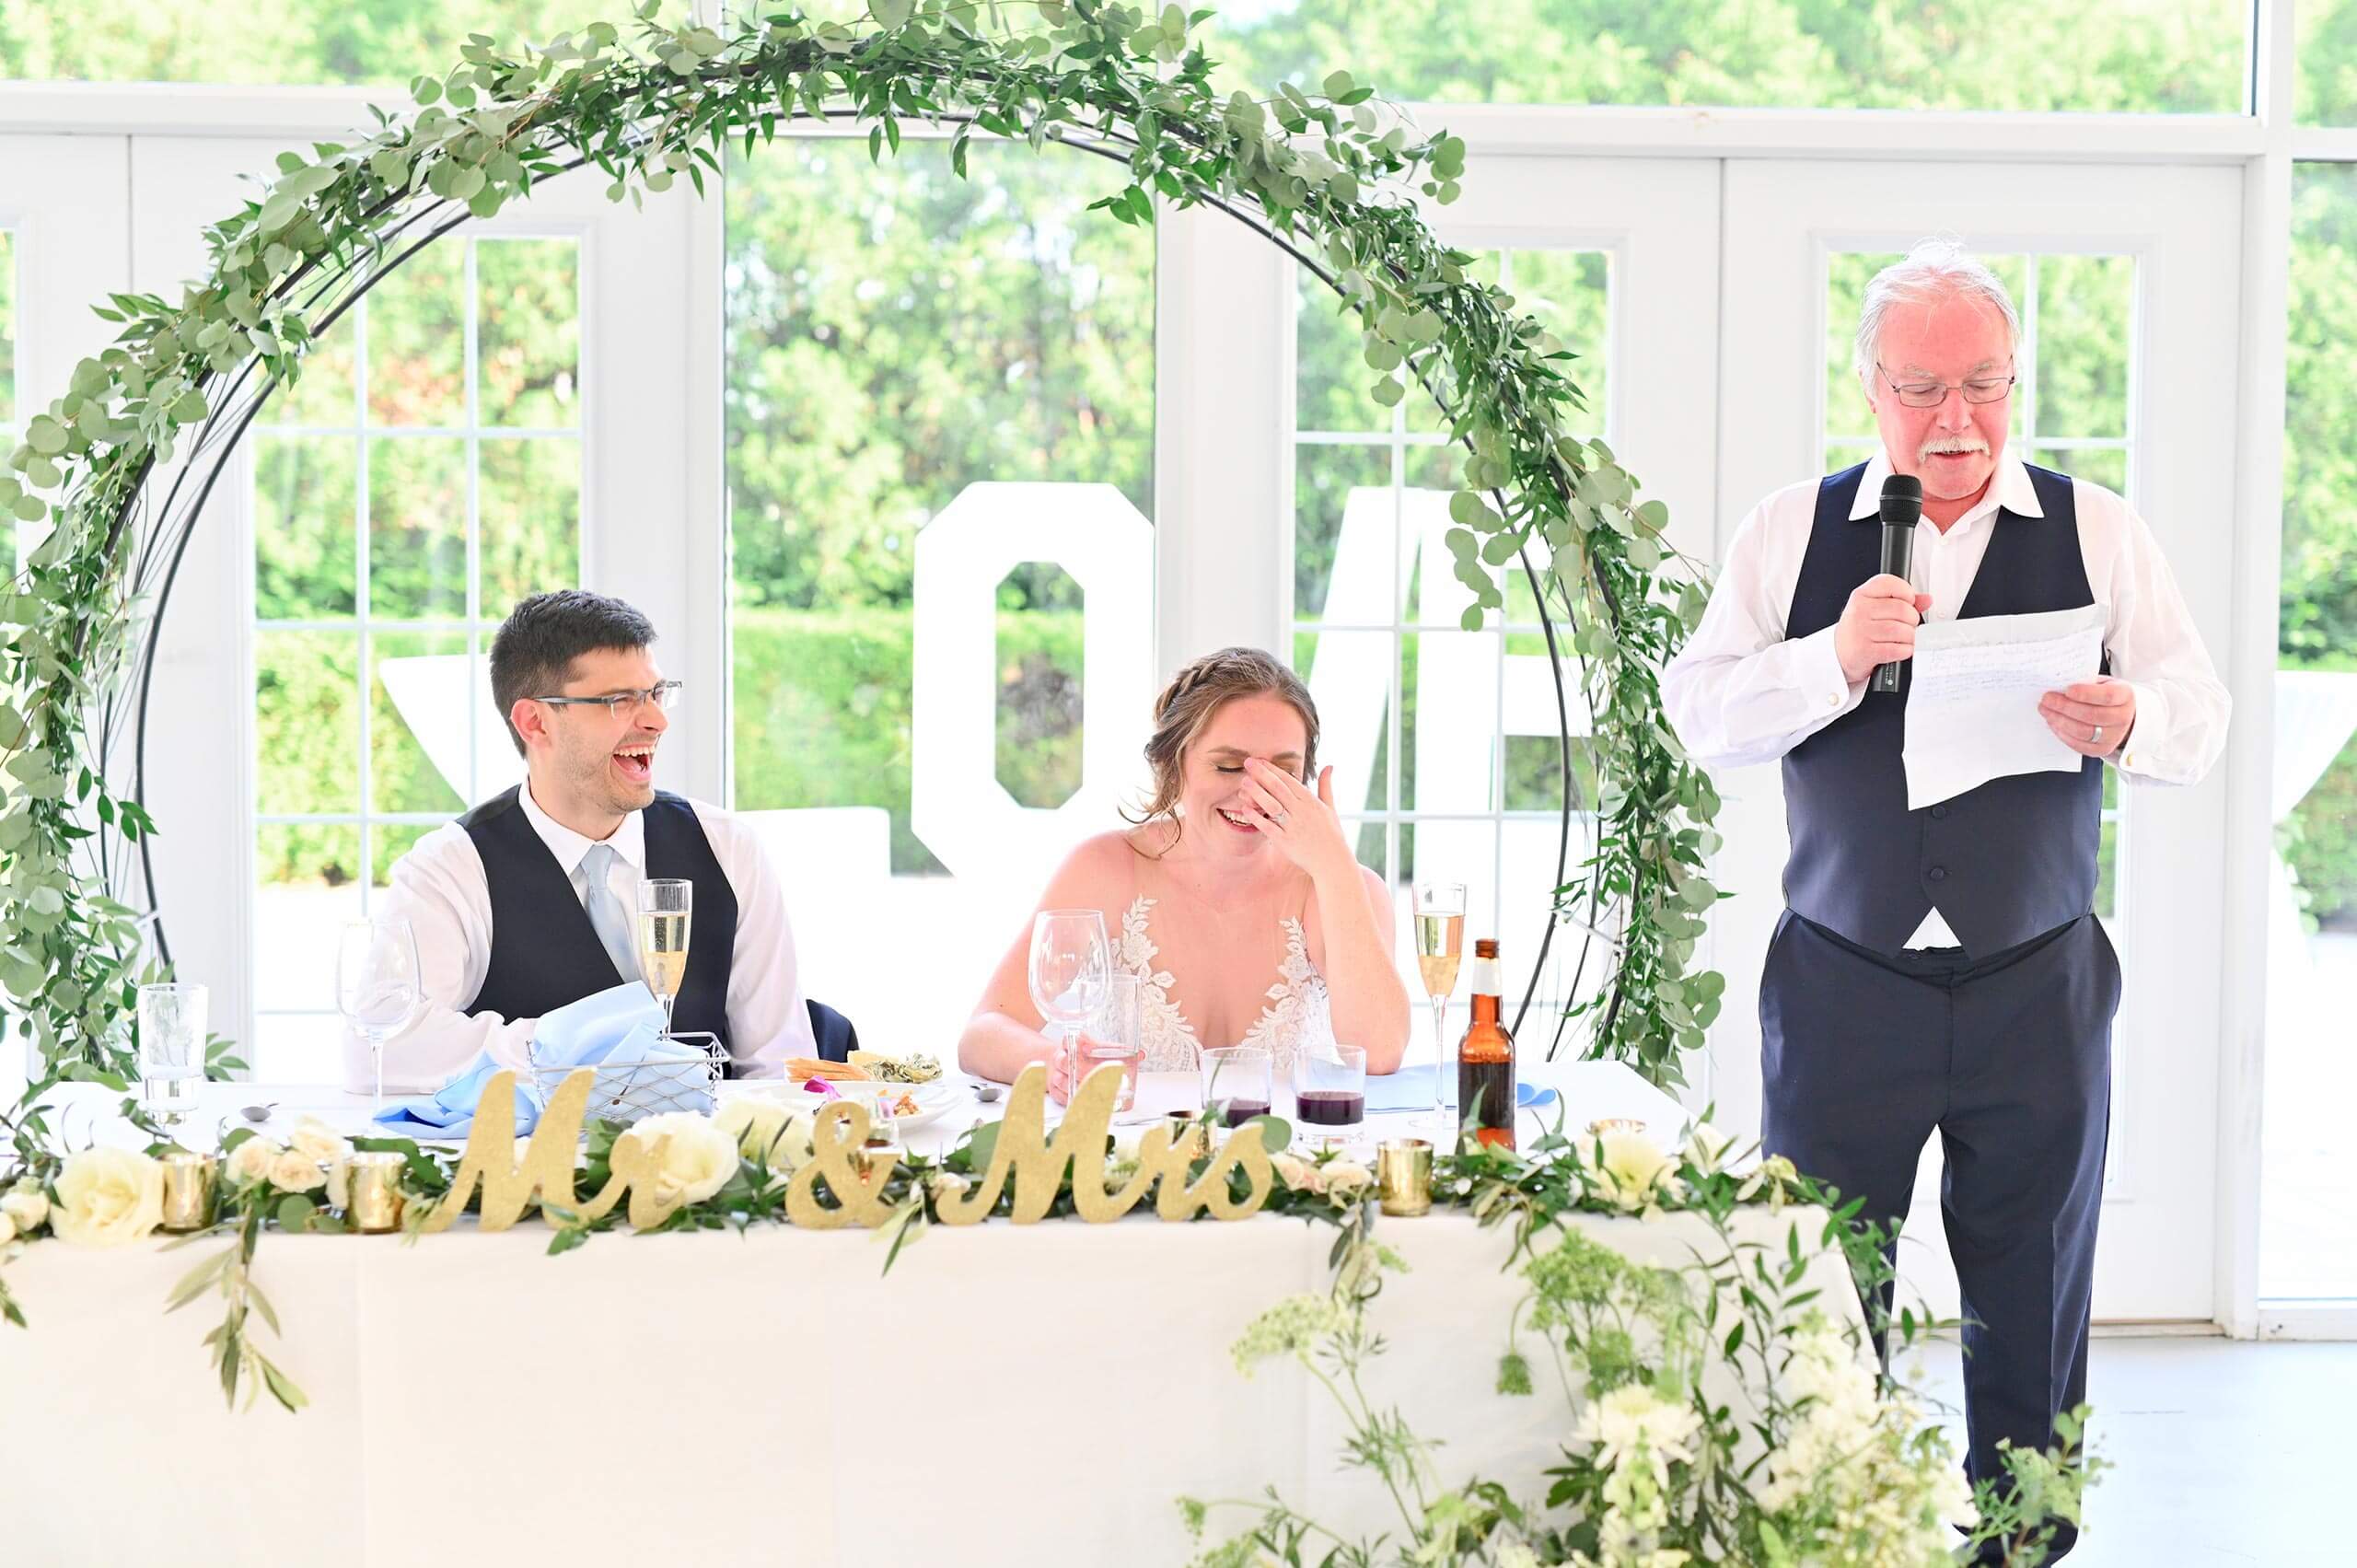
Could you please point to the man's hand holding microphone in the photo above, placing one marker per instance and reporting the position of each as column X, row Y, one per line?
column 1878, row 626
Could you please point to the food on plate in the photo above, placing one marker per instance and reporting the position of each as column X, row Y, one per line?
column 917, row 1067
column 802, row 1068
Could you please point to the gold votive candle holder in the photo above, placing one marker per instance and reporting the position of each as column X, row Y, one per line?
column 1403, row 1177
column 375, row 1201
column 190, row 1188
column 1187, row 1131
column 877, row 1154
column 1604, row 1124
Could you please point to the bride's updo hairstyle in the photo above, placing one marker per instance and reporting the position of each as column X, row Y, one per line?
column 1185, row 709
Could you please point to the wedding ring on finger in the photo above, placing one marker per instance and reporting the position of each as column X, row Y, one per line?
column 1278, row 817
column 2099, row 735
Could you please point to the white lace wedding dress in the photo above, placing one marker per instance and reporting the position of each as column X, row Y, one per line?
column 1297, row 1014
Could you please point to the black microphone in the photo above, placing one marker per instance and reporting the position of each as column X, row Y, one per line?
column 1902, row 507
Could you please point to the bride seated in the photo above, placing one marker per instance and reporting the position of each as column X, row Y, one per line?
column 1234, row 899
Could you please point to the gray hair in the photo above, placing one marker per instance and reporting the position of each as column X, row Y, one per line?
column 1935, row 269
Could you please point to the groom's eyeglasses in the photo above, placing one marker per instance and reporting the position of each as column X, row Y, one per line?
column 663, row 694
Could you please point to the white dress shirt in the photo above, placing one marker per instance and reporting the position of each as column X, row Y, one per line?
column 1739, row 692
column 439, row 887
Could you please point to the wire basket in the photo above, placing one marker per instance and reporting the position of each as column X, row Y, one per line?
column 634, row 1090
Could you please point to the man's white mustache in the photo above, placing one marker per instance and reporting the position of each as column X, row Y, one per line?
column 1934, row 448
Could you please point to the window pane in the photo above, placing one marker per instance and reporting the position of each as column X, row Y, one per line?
column 2324, row 40
column 529, row 492
column 1340, row 575
column 528, row 303
column 2085, row 321
column 417, row 347
column 270, row 41
column 417, row 528
column 1349, row 674
column 324, row 395
column 1330, row 372
column 304, row 527
column 2309, row 1222
column 309, row 877
column 2106, row 466
column 8, row 328
column 417, row 739
column 2180, row 56
column 895, row 335
column 307, row 723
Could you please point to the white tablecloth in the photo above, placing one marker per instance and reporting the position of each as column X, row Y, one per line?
column 1036, row 1394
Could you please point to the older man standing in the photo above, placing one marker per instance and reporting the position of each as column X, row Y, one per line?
column 1943, row 968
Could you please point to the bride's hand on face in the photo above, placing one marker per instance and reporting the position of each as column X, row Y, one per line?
column 1302, row 823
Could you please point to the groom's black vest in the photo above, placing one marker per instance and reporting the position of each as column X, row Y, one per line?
column 2003, row 863
column 544, row 952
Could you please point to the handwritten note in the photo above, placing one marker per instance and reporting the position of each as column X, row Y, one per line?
column 1972, row 702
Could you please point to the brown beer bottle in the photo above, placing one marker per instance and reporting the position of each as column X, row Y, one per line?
column 1485, row 1056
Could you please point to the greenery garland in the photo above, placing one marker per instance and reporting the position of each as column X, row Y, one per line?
column 1327, row 175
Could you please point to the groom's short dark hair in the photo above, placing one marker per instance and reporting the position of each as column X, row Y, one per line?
column 532, row 653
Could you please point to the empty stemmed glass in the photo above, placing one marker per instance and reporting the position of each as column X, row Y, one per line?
column 378, row 987
column 1071, row 961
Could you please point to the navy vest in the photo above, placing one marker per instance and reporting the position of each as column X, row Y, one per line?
column 544, row 952
column 2003, row 863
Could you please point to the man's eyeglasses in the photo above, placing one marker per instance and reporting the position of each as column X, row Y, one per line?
column 1932, row 394
column 664, row 694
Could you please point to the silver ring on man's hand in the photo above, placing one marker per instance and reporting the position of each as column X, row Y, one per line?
column 2099, row 735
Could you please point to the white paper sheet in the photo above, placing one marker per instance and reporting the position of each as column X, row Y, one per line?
column 1972, row 708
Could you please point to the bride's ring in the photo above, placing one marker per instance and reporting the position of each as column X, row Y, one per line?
column 1278, row 817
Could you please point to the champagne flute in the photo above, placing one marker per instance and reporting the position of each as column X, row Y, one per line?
column 666, row 910
column 378, row 987
column 1070, row 964
column 1440, row 948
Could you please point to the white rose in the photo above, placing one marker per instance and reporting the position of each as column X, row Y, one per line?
column 26, row 1207
column 1632, row 1168
column 793, row 1146
column 1346, row 1176
column 291, row 1170
column 698, row 1159
column 250, row 1161
column 1707, row 1149
column 313, row 1139
column 108, row 1196
column 1296, row 1173
column 8, row 1228
column 756, row 1122
column 339, row 1185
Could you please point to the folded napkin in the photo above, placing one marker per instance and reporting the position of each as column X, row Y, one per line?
column 620, row 1028
column 1411, row 1088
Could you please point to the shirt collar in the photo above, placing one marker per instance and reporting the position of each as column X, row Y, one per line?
column 2009, row 487
column 629, row 841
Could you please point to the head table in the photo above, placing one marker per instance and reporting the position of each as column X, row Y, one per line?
column 1005, row 1395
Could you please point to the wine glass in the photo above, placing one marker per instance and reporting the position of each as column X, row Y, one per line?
column 665, row 911
column 378, row 987
column 1071, row 962
column 1440, row 948
column 1112, row 1035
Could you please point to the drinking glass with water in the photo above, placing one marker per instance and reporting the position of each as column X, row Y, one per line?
column 171, row 1047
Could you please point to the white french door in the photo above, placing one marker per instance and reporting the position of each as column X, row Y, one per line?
column 2127, row 278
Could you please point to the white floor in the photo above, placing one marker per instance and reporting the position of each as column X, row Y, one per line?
column 2225, row 1453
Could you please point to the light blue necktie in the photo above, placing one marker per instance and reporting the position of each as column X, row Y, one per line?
column 606, row 914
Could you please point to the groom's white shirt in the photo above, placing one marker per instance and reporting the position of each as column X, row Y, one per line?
column 440, row 889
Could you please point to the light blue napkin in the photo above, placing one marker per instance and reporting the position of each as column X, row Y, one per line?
column 1411, row 1088
column 450, row 1112
column 618, row 1027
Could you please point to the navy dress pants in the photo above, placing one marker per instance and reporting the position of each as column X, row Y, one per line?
column 2008, row 1059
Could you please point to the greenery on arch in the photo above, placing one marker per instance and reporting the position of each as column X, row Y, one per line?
column 118, row 466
